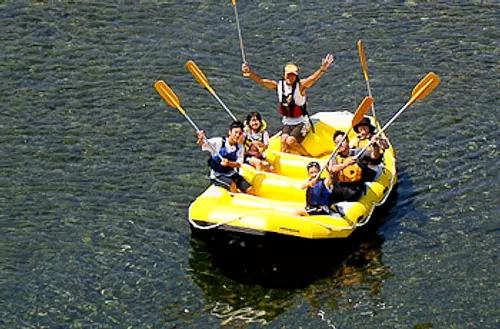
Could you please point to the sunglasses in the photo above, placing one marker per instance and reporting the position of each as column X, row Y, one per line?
column 313, row 164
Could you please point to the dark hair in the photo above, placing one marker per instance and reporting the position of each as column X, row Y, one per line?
column 340, row 133
column 236, row 124
column 251, row 115
column 313, row 164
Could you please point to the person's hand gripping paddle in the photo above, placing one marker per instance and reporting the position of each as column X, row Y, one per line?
column 363, row 108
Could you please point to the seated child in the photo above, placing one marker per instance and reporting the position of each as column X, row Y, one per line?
column 256, row 141
column 365, row 132
column 318, row 193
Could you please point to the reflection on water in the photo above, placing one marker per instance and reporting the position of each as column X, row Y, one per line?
column 356, row 283
column 255, row 282
column 234, row 301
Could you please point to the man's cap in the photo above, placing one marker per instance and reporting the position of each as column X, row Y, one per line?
column 291, row 68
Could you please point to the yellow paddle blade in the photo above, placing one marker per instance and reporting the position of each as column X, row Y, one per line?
column 425, row 86
column 362, row 58
column 199, row 76
column 234, row 2
column 168, row 95
column 363, row 108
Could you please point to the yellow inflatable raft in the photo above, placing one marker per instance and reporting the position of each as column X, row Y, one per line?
column 278, row 195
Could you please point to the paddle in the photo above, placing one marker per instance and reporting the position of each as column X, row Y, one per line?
column 362, row 59
column 246, row 74
column 202, row 79
column 361, row 111
column 171, row 98
column 421, row 90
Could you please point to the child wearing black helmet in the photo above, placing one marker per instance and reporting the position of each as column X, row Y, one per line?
column 318, row 192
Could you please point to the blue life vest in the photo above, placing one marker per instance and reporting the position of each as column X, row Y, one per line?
column 214, row 161
column 318, row 195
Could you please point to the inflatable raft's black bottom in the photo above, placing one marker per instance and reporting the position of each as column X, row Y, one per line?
column 277, row 260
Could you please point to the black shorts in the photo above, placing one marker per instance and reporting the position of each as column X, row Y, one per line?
column 347, row 192
column 298, row 132
column 226, row 181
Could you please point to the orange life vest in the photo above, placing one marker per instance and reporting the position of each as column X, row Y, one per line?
column 349, row 174
column 360, row 142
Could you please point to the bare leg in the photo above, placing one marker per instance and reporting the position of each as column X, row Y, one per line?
column 266, row 166
column 284, row 145
column 256, row 163
column 270, row 168
column 292, row 143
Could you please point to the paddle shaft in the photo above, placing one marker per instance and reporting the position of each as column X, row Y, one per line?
column 362, row 58
column 224, row 106
column 357, row 117
column 333, row 153
column 396, row 115
column 191, row 122
column 171, row 98
column 239, row 33
column 204, row 137
column 202, row 79
column 370, row 95
column 411, row 101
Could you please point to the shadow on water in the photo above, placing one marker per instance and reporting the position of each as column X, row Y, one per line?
column 254, row 279
column 405, row 216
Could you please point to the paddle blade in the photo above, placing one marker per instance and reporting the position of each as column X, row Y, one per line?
column 363, row 108
column 199, row 76
column 234, row 2
column 168, row 95
column 425, row 86
column 362, row 59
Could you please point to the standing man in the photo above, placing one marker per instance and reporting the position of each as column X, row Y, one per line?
column 291, row 92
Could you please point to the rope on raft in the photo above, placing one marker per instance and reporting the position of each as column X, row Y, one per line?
column 306, row 218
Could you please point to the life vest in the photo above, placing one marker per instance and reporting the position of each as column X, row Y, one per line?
column 349, row 174
column 318, row 195
column 360, row 142
column 214, row 161
column 254, row 137
column 292, row 104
